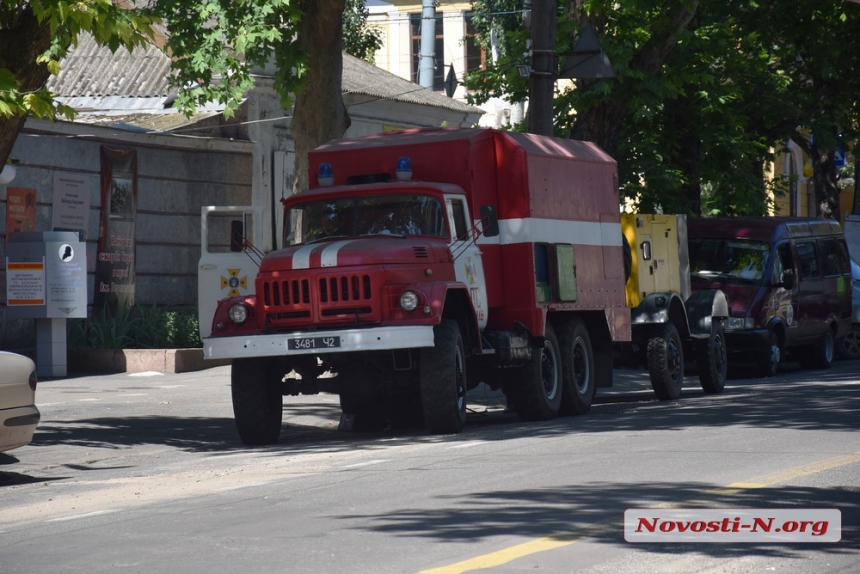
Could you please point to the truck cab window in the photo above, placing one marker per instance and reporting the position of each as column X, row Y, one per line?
column 458, row 212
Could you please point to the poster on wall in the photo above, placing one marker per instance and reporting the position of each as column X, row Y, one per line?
column 20, row 210
column 114, row 279
column 71, row 210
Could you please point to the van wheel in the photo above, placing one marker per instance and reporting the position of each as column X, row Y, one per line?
column 258, row 403
column 768, row 364
column 711, row 359
column 535, row 390
column 443, row 380
column 849, row 345
column 820, row 355
column 666, row 362
column 577, row 368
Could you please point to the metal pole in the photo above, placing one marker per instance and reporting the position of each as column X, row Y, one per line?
column 426, row 59
column 542, row 79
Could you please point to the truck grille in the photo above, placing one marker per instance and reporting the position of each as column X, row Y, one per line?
column 329, row 299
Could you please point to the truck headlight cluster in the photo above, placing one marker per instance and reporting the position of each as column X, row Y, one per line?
column 238, row 313
column 409, row 301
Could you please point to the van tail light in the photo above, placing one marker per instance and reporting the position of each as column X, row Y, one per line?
column 33, row 380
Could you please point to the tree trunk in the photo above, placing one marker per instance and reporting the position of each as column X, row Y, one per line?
column 319, row 115
column 22, row 40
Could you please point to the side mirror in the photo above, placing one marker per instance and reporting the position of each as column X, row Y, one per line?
column 237, row 235
column 489, row 221
column 788, row 281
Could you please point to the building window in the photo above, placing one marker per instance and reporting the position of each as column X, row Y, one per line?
column 476, row 56
column 438, row 51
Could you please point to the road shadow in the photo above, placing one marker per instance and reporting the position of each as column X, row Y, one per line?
column 596, row 511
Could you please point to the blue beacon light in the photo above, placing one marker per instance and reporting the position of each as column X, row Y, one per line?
column 325, row 175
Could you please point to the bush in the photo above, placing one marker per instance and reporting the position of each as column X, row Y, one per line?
column 136, row 327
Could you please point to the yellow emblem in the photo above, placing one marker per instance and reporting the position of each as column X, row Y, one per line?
column 234, row 282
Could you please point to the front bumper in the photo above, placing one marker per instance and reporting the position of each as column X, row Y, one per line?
column 351, row 340
column 748, row 342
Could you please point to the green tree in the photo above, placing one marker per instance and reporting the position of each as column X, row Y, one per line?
column 359, row 38
column 34, row 38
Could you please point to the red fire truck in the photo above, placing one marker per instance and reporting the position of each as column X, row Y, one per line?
column 424, row 262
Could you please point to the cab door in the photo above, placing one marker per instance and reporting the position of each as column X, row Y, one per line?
column 468, row 266
column 225, row 269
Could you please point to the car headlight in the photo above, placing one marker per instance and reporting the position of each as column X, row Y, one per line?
column 238, row 313
column 736, row 323
column 409, row 301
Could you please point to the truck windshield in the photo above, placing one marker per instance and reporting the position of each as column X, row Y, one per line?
column 374, row 215
column 728, row 260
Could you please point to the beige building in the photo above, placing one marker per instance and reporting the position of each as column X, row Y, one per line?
column 455, row 47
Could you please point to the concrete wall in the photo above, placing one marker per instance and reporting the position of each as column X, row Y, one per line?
column 176, row 177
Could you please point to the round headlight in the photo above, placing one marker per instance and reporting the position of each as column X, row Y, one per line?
column 238, row 313
column 409, row 301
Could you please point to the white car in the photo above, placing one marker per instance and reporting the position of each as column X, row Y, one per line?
column 849, row 345
column 18, row 413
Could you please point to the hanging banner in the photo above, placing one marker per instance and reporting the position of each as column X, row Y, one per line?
column 71, row 211
column 114, row 279
column 20, row 210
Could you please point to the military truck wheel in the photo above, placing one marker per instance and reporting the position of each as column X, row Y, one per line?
column 820, row 355
column 443, row 380
column 258, row 403
column 577, row 368
column 711, row 359
column 849, row 345
column 536, row 389
column 666, row 362
column 768, row 365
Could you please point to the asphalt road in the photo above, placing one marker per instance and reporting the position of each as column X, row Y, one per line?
column 144, row 473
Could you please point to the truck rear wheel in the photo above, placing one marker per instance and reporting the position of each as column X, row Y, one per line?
column 712, row 360
column 577, row 368
column 666, row 362
column 535, row 390
column 443, row 380
column 258, row 403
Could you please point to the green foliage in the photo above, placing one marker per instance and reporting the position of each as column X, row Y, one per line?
column 217, row 44
column 109, row 24
column 360, row 39
column 136, row 327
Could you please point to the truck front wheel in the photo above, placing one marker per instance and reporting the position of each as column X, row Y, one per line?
column 711, row 359
column 666, row 362
column 577, row 368
column 257, row 400
column 443, row 380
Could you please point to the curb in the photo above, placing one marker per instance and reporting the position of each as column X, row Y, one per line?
column 139, row 360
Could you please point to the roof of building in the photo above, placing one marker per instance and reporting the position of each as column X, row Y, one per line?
column 95, row 80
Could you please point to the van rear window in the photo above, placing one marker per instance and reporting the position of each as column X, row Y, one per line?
column 834, row 259
column 809, row 267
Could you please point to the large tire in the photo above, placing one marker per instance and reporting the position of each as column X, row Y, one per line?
column 258, row 402
column 768, row 364
column 849, row 345
column 666, row 362
column 819, row 355
column 577, row 368
column 712, row 359
column 536, row 389
column 443, row 380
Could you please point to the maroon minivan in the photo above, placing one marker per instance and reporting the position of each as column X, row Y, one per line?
column 787, row 281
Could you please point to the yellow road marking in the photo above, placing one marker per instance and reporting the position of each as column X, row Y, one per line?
column 552, row 542
column 505, row 555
